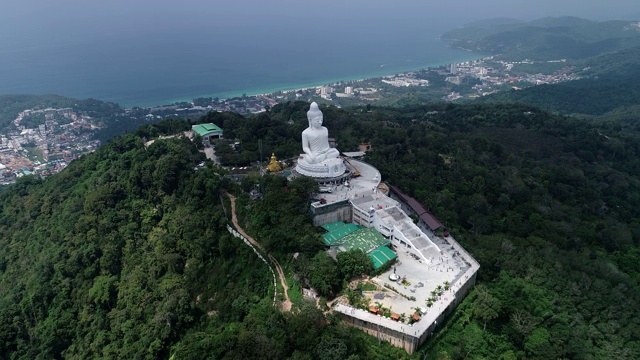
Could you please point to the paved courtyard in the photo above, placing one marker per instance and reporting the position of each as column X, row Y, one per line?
column 365, row 184
column 447, row 265
column 422, row 279
column 424, row 260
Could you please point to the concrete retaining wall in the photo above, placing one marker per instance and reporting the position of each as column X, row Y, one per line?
column 324, row 214
column 411, row 337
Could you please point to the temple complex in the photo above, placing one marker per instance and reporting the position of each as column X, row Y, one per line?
column 427, row 272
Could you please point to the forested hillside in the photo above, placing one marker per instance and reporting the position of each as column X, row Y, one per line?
column 104, row 259
column 125, row 254
column 548, row 204
column 592, row 96
column 12, row 105
column 608, row 89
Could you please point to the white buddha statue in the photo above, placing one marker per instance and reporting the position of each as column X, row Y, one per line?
column 319, row 159
column 315, row 139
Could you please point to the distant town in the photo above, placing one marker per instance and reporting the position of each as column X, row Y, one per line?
column 471, row 79
column 44, row 141
column 44, row 148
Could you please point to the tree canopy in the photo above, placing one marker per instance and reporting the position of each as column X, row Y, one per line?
column 125, row 254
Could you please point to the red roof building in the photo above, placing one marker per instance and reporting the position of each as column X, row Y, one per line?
column 428, row 218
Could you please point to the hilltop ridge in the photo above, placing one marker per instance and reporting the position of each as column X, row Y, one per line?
column 547, row 38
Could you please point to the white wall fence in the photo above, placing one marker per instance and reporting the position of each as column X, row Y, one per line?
column 246, row 241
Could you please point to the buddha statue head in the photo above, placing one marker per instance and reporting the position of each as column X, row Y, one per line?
column 314, row 115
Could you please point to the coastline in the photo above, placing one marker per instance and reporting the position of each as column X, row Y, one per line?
column 268, row 90
column 149, row 86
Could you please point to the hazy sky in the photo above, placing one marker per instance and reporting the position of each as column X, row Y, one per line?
column 44, row 20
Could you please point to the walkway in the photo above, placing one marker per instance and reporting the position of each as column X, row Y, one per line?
column 286, row 305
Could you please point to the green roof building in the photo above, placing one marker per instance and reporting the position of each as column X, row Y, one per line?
column 345, row 237
column 207, row 131
column 381, row 256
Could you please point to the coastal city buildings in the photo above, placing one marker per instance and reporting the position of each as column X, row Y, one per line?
column 404, row 81
column 44, row 141
column 470, row 79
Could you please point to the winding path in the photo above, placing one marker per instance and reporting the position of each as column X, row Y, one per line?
column 286, row 305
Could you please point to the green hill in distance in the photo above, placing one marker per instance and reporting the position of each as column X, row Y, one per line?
column 547, row 38
column 501, row 21
column 12, row 105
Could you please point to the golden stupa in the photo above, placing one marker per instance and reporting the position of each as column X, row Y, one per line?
column 274, row 165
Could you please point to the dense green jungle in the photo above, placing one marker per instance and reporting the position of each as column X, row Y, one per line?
column 126, row 254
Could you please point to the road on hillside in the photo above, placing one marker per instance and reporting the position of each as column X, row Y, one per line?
column 210, row 153
column 286, row 305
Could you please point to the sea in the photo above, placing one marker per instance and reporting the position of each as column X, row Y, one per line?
column 155, row 68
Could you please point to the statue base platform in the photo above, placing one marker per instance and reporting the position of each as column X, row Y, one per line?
column 330, row 168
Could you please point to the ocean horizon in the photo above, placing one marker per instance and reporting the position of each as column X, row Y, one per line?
column 151, row 70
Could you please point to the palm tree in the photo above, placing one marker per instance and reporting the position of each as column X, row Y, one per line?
column 446, row 285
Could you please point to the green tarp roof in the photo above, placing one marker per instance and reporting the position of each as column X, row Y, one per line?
column 366, row 239
column 350, row 236
column 339, row 233
column 333, row 225
column 204, row 129
column 381, row 256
